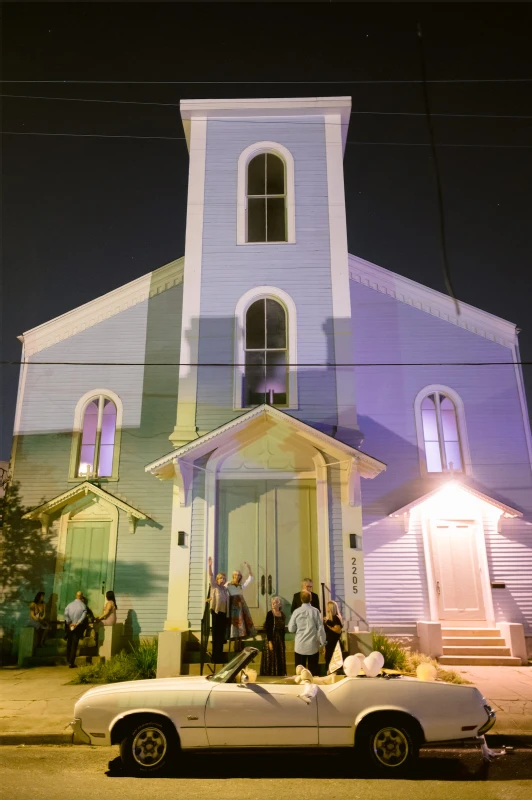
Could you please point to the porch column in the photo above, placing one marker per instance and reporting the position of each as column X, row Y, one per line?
column 354, row 586
column 178, row 576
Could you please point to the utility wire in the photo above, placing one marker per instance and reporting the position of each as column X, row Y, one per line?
column 182, row 139
column 266, row 121
column 238, row 364
column 275, row 83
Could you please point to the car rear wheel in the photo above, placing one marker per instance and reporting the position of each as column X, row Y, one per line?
column 149, row 746
column 391, row 744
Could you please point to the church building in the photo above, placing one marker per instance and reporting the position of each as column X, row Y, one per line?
column 270, row 398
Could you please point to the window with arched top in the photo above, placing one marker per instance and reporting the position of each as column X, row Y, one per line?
column 441, row 433
column 266, row 195
column 266, row 351
column 96, row 437
column 266, row 199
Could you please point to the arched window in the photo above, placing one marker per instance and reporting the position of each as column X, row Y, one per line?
column 266, row 351
column 98, row 434
column 266, row 199
column 441, row 435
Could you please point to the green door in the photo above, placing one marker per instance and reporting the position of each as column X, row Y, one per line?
column 85, row 566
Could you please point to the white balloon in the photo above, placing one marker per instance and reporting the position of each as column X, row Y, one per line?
column 352, row 665
column 372, row 665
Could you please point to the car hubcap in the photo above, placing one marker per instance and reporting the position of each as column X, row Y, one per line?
column 390, row 746
column 149, row 747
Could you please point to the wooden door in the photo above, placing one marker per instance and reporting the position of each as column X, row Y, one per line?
column 85, row 565
column 456, row 571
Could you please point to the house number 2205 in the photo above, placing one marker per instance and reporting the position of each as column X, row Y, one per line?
column 354, row 578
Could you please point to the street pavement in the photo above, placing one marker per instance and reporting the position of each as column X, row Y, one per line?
column 48, row 772
column 36, row 704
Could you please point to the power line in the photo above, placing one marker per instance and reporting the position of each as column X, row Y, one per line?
column 182, row 139
column 275, row 83
column 266, row 121
column 327, row 365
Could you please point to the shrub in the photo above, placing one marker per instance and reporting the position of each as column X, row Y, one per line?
column 136, row 665
column 395, row 655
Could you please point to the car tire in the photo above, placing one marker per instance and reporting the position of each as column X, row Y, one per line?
column 388, row 745
column 149, row 746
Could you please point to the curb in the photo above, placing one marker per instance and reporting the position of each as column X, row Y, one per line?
column 36, row 738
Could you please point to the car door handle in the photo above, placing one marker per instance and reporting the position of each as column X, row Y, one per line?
column 190, row 717
column 263, row 585
column 270, row 590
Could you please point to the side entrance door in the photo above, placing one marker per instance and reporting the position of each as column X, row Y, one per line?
column 272, row 525
column 456, row 570
column 85, row 564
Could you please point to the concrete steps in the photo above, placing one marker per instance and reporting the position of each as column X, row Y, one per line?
column 475, row 647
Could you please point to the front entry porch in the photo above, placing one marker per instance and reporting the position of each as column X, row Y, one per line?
column 267, row 489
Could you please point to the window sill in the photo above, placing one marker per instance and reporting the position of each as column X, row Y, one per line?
column 261, row 244
column 281, row 408
column 112, row 479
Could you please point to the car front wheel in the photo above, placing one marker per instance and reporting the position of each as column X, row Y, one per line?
column 148, row 747
column 391, row 745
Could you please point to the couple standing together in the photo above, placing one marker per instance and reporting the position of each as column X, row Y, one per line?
column 229, row 610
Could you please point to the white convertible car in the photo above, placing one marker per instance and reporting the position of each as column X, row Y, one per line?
column 386, row 719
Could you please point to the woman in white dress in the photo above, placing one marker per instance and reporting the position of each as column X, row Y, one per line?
column 241, row 624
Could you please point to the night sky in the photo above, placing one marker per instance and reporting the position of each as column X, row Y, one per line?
column 82, row 216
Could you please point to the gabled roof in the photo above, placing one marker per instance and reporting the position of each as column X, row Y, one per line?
column 432, row 302
column 367, row 466
column 84, row 488
column 507, row 511
column 95, row 311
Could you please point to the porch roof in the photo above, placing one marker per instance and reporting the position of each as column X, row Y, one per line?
column 79, row 490
column 507, row 511
column 368, row 466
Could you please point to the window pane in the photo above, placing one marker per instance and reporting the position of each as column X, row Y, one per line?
column 255, row 326
column 90, row 421
column 257, row 175
column 432, row 453
column 105, row 464
column 276, row 374
column 452, row 454
column 428, row 402
column 275, row 324
column 86, row 457
column 276, row 220
column 108, row 423
column 448, row 421
column 254, row 379
column 430, row 426
column 256, row 220
column 274, row 175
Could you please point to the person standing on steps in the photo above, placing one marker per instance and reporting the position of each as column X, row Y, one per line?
column 37, row 619
column 75, row 615
column 219, row 613
column 307, row 585
column 307, row 624
column 241, row 624
column 108, row 615
column 333, row 629
column 273, row 661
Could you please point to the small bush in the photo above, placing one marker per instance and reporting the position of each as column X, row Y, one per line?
column 395, row 655
column 136, row 665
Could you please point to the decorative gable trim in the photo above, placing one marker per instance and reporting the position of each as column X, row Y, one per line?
column 432, row 302
column 83, row 489
column 110, row 304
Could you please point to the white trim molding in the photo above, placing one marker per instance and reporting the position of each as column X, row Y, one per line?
column 241, row 215
column 77, row 430
column 432, row 302
column 434, row 388
column 242, row 306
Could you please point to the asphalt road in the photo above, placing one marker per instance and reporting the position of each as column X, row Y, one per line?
column 84, row 773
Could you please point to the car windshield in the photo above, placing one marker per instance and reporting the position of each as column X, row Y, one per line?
column 247, row 656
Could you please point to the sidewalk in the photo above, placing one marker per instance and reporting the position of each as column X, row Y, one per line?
column 37, row 704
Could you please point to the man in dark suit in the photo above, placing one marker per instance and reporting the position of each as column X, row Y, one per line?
column 306, row 586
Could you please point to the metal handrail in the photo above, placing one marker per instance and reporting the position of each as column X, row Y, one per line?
column 205, row 630
column 341, row 600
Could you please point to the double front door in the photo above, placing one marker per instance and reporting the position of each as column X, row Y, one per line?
column 85, row 564
column 272, row 525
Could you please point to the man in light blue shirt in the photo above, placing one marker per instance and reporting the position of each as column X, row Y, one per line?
column 307, row 624
column 75, row 615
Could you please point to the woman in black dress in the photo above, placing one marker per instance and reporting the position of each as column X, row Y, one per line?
column 333, row 630
column 273, row 660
